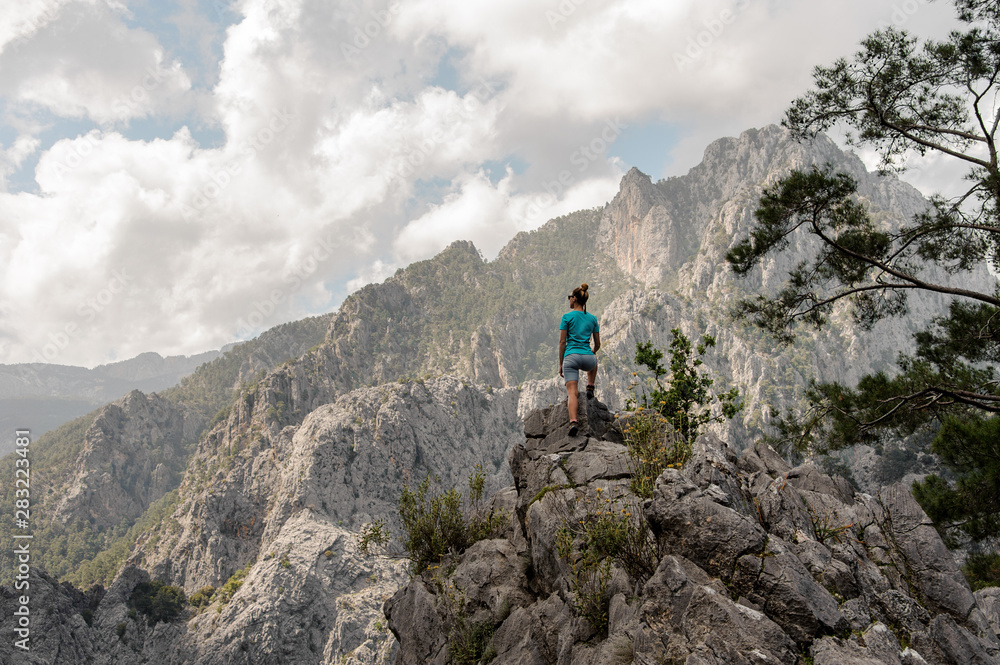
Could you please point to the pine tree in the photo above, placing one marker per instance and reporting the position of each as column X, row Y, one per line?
column 900, row 96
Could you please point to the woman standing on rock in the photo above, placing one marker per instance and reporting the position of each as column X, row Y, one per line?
column 575, row 331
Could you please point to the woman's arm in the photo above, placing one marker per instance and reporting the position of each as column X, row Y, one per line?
column 562, row 349
column 597, row 341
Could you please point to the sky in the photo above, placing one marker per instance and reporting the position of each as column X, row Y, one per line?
column 176, row 176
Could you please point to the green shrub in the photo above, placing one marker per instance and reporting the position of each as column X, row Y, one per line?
column 202, row 597
column 470, row 643
column 591, row 599
column 438, row 524
column 158, row 601
column 612, row 529
column 373, row 537
column 982, row 570
column 686, row 401
column 652, row 447
column 233, row 584
column 626, row 538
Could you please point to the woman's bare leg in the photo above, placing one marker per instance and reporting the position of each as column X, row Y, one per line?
column 592, row 377
column 572, row 395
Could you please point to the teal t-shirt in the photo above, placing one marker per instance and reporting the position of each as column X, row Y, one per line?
column 579, row 326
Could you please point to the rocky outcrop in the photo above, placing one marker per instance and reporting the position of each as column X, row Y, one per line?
column 347, row 461
column 132, row 455
column 101, row 472
column 750, row 561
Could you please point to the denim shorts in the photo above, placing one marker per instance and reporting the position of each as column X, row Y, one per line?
column 574, row 362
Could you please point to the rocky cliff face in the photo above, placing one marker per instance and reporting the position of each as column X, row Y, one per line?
column 287, row 514
column 139, row 437
column 673, row 235
column 749, row 561
column 101, row 473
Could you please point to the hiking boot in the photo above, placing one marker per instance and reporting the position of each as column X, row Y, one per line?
column 573, row 428
column 590, row 391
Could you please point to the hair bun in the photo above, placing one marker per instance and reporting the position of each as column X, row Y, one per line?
column 584, row 286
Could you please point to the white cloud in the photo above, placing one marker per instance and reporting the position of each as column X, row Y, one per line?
column 490, row 215
column 57, row 68
column 24, row 18
column 343, row 159
column 11, row 159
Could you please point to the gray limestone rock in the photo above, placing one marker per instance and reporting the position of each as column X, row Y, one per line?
column 414, row 620
column 689, row 522
column 932, row 568
column 875, row 646
column 948, row 643
column 791, row 597
column 988, row 600
column 727, row 587
column 139, row 436
column 685, row 613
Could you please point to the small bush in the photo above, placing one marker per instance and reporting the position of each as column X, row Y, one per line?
column 439, row 524
column 233, row 584
column 626, row 538
column 982, row 570
column 373, row 538
column 652, row 447
column 828, row 525
column 158, row 601
column 202, row 597
column 591, row 599
column 613, row 529
column 686, row 400
column 471, row 642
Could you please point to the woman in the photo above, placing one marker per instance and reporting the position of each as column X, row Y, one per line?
column 575, row 331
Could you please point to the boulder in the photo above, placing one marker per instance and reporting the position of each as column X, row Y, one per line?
column 690, row 522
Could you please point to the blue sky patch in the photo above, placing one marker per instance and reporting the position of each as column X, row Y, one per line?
column 193, row 34
column 496, row 170
column 647, row 146
column 447, row 75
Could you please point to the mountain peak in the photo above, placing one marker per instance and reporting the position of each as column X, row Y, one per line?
column 635, row 215
column 634, row 174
